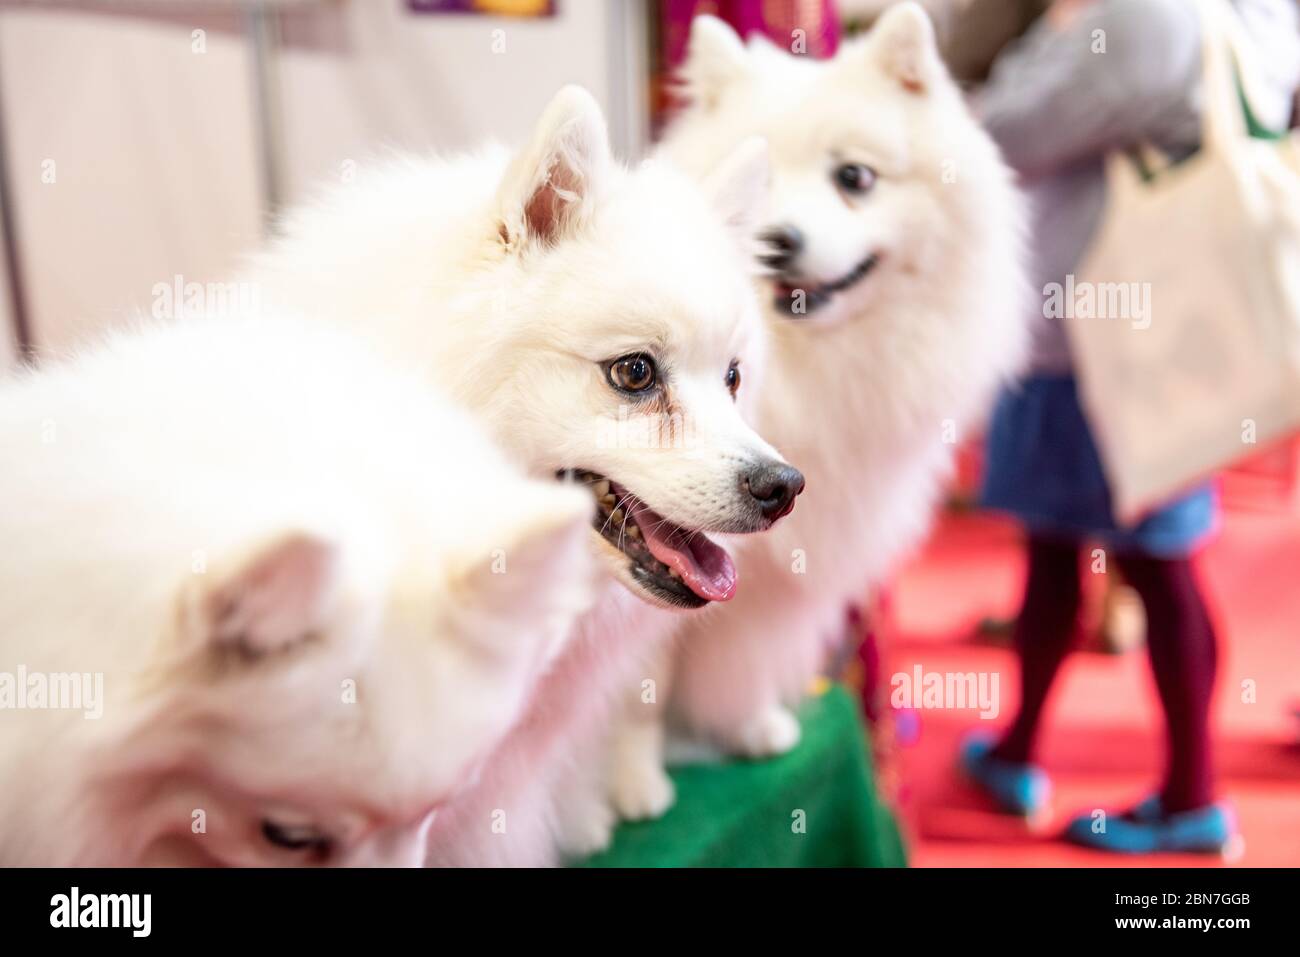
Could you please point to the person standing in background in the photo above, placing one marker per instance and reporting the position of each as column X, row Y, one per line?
column 972, row 32
column 1058, row 103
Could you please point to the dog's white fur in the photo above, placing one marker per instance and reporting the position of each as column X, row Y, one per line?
column 866, row 394
column 512, row 280
column 316, row 593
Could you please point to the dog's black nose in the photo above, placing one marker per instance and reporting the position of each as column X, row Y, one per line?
column 774, row 487
column 786, row 244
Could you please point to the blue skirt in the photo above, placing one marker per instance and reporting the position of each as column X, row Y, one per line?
column 1042, row 466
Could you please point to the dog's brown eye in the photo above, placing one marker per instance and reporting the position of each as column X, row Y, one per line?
column 635, row 373
column 855, row 178
column 733, row 378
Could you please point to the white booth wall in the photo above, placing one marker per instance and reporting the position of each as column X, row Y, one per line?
column 133, row 144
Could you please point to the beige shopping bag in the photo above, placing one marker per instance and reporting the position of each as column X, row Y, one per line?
column 1184, row 319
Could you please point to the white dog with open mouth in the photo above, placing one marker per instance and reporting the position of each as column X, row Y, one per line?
column 265, row 600
column 602, row 322
column 894, row 305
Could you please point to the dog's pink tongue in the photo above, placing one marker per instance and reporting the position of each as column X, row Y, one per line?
column 704, row 566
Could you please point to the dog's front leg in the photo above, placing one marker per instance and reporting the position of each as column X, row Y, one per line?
column 584, row 818
column 639, row 785
column 739, row 674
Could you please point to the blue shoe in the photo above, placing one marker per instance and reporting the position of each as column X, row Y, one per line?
column 1147, row 811
column 1144, row 830
column 1022, row 789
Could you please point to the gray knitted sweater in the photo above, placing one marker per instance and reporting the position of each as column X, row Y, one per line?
column 1057, row 106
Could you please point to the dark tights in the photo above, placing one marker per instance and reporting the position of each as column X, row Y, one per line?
column 1180, row 642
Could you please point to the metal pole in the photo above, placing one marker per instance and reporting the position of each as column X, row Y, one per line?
column 264, row 39
column 22, row 330
column 626, row 54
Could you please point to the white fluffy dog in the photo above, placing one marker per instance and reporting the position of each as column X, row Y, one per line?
column 264, row 600
column 602, row 322
column 895, row 309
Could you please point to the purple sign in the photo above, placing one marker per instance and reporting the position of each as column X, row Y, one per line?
column 491, row 8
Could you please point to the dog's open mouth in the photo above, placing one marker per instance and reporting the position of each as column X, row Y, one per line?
column 796, row 300
column 675, row 564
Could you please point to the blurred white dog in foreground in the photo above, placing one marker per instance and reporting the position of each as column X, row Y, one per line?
column 895, row 309
column 264, row 600
column 602, row 322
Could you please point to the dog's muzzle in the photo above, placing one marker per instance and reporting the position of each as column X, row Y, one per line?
column 796, row 299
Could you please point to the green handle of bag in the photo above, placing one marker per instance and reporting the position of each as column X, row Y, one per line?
column 1254, row 128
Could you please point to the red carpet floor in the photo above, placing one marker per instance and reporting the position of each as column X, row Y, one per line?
column 1102, row 740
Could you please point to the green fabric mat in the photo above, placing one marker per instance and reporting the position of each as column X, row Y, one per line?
column 743, row 814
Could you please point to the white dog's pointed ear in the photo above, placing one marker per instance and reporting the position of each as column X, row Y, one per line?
column 715, row 57
column 280, row 595
column 738, row 188
column 536, row 565
column 902, row 42
column 761, row 41
column 552, row 185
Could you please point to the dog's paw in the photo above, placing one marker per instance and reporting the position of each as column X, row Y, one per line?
column 773, row 732
column 642, row 791
column 589, row 832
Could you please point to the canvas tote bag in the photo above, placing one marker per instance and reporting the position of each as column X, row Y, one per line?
column 1185, row 318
